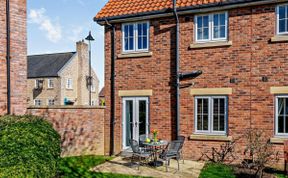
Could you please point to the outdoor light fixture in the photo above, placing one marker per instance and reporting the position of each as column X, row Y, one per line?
column 89, row 38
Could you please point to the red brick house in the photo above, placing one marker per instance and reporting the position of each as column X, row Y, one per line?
column 13, row 57
column 241, row 47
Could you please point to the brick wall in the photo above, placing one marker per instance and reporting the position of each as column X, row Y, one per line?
column 250, row 57
column 18, row 57
column 81, row 128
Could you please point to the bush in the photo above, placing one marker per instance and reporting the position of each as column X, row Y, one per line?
column 30, row 147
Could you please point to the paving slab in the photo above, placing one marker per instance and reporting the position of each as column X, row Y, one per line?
column 122, row 165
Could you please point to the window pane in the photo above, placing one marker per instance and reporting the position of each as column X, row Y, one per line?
column 218, row 114
column 199, row 34
column 286, row 124
column 131, row 43
column 202, row 114
column 281, row 12
column 222, row 19
column 145, row 45
column 216, row 20
column 222, row 32
column 206, row 21
column 145, row 29
column 199, row 22
column 126, row 31
column 140, row 42
column 280, row 106
column 206, row 33
column 140, row 30
column 280, row 124
column 282, row 25
column 216, row 32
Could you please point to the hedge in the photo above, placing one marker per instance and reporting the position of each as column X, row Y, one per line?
column 29, row 147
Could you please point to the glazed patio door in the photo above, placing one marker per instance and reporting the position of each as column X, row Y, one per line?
column 135, row 119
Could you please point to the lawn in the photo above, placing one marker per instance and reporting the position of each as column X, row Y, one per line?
column 213, row 170
column 80, row 167
column 217, row 171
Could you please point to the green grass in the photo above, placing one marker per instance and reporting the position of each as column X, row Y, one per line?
column 281, row 176
column 72, row 167
column 211, row 170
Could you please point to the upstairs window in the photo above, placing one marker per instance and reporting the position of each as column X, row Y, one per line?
column 135, row 37
column 50, row 83
column 282, row 19
column 211, row 27
column 69, row 84
column 281, row 115
column 211, row 114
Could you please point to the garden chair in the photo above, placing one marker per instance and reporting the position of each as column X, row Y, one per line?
column 181, row 138
column 172, row 151
column 139, row 153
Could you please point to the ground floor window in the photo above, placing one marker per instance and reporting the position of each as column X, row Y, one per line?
column 37, row 102
column 281, row 115
column 211, row 114
column 51, row 102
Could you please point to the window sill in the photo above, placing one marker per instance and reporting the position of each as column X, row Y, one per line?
column 211, row 137
column 279, row 38
column 134, row 55
column 211, row 44
column 278, row 140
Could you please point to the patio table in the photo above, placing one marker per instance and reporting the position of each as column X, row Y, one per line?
column 156, row 148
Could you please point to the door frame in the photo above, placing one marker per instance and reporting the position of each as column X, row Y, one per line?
column 135, row 100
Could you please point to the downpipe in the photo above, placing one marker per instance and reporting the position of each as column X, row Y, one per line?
column 177, row 69
column 112, row 89
column 8, row 57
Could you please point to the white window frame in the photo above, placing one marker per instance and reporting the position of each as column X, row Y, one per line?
column 38, row 100
column 49, row 100
column 37, row 84
column 135, row 31
column 277, row 20
column 49, row 81
column 210, row 115
column 69, row 86
column 211, row 28
column 276, row 116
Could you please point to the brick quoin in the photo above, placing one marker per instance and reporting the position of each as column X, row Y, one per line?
column 250, row 57
column 18, row 57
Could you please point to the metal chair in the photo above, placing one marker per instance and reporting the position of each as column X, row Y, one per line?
column 172, row 151
column 138, row 152
column 181, row 138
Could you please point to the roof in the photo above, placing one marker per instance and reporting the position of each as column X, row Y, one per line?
column 115, row 8
column 47, row 65
column 102, row 92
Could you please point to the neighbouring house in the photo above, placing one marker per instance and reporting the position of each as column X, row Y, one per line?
column 241, row 47
column 102, row 97
column 13, row 57
column 61, row 79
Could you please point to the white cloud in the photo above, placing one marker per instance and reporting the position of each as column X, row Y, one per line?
column 76, row 34
column 53, row 30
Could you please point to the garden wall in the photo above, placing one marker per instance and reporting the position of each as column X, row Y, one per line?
column 81, row 128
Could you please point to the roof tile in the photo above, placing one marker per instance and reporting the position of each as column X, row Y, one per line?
column 128, row 7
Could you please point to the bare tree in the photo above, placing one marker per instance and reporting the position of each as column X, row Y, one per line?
column 223, row 154
column 259, row 152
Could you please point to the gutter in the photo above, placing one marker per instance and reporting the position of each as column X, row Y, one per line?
column 220, row 6
column 112, row 87
column 8, row 57
column 177, row 70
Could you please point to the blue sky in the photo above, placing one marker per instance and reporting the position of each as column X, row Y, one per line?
column 56, row 25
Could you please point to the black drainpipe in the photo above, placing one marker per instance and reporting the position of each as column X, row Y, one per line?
column 177, row 70
column 112, row 88
column 8, row 56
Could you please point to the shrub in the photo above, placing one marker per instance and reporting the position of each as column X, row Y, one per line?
column 30, row 147
column 259, row 152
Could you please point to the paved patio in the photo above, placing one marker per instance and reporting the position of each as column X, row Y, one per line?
column 122, row 165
